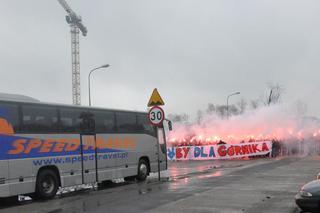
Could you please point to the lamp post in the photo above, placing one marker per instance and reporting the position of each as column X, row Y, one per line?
column 236, row 93
column 103, row 66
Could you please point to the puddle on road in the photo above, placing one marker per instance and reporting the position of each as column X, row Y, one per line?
column 214, row 174
column 144, row 191
column 182, row 181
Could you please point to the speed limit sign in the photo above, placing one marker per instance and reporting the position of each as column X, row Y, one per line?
column 156, row 115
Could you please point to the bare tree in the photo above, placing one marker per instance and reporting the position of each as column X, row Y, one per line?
column 242, row 105
column 179, row 118
column 211, row 109
column 221, row 110
column 275, row 93
column 199, row 116
column 301, row 108
column 233, row 110
column 254, row 104
column 273, row 96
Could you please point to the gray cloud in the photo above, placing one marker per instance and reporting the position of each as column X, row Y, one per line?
column 194, row 52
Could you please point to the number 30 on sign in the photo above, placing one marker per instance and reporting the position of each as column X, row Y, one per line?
column 156, row 115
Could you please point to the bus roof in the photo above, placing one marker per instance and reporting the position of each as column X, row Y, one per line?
column 18, row 98
column 27, row 99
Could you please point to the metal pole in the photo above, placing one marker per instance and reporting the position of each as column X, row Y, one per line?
column 158, row 154
column 236, row 93
column 89, row 86
column 165, row 142
column 89, row 89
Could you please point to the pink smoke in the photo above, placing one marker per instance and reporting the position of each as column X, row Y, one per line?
column 276, row 122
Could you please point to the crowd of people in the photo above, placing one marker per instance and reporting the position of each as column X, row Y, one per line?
column 279, row 147
column 193, row 141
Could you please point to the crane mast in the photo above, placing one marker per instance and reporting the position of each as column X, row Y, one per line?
column 76, row 25
column 75, row 54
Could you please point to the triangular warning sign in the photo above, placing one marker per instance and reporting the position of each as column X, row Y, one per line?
column 155, row 99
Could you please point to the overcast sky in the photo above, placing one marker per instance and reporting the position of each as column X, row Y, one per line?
column 193, row 51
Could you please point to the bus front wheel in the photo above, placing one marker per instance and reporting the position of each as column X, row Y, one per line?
column 47, row 184
column 143, row 170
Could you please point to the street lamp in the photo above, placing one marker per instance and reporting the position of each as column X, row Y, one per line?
column 236, row 93
column 103, row 66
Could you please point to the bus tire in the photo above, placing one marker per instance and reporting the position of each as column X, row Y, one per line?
column 47, row 184
column 143, row 170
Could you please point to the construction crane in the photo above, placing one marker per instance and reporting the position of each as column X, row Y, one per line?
column 75, row 24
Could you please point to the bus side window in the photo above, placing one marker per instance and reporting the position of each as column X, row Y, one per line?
column 39, row 119
column 105, row 121
column 126, row 122
column 9, row 113
column 144, row 125
column 87, row 124
column 70, row 120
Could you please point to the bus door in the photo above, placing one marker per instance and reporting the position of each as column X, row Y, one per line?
column 89, row 162
column 89, row 158
column 162, row 148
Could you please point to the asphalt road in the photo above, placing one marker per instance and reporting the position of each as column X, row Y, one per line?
column 263, row 185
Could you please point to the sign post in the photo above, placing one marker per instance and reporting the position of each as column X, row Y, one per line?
column 156, row 117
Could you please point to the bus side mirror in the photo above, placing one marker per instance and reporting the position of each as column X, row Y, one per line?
column 170, row 125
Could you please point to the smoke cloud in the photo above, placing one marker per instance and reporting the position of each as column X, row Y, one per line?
column 277, row 122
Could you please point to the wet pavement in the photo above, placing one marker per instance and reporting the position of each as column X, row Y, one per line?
column 262, row 185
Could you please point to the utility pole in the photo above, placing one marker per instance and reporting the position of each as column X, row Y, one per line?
column 89, row 79
column 236, row 93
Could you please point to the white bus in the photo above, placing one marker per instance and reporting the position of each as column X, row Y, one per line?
column 47, row 146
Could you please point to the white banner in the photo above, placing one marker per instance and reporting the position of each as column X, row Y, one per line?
column 223, row 151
